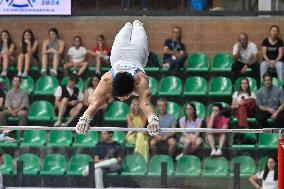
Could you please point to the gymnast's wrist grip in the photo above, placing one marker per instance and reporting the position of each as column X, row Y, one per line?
column 85, row 119
column 153, row 118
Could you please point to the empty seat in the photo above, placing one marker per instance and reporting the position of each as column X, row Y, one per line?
column 252, row 83
column 27, row 84
column 195, row 86
column 247, row 165
column 60, row 139
column 188, row 165
column 7, row 167
column 222, row 63
column 41, row 111
column 197, row 62
column 6, row 83
column 78, row 163
column 88, row 140
column 220, row 86
column 54, row 165
column 268, row 141
column 118, row 136
column 31, row 164
column 134, row 165
column 153, row 85
column 116, row 111
column 80, row 83
column 157, row 59
column 170, row 86
column 173, row 108
column 34, row 138
column 262, row 163
column 46, row 86
column 215, row 166
column 249, row 140
column 155, row 164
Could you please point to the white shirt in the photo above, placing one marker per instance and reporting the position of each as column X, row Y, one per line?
column 269, row 182
column 77, row 55
column 245, row 54
column 246, row 95
column 58, row 93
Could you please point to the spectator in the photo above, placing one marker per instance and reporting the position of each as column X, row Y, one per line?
column 272, row 52
column 7, row 50
column 245, row 56
column 76, row 57
column 191, row 141
column 174, row 53
column 16, row 104
column 2, row 97
column 166, row 121
column 52, row 51
column 28, row 52
column 217, row 121
column 108, row 157
column 268, row 176
column 1, row 163
column 88, row 97
column 270, row 103
column 5, row 138
column 243, row 103
column 68, row 100
column 137, row 119
column 100, row 52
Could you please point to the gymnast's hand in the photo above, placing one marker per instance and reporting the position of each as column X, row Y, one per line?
column 153, row 125
column 83, row 125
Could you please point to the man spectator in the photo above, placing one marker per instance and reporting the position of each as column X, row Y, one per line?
column 2, row 96
column 174, row 53
column 16, row 104
column 166, row 121
column 270, row 103
column 108, row 157
column 68, row 100
column 217, row 121
column 245, row 56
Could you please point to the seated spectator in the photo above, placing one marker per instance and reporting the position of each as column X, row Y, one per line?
column 174, row 53
column 52, row 51
column 217, row 121
column 4, row 137
column 137, row 119
column 16, row 104
column 100, row 52
column 28, row 52
column 272, row 52
column 76, row 57
column 68, row 100
column 7, row 50
column 245, row 56
column 270, row 103
column 268, row 176
column 108, row 158
column 2, row 97
column 88, row 97
column 1, row 164
column 166, row 121
column 243, row 103
column 191, row 141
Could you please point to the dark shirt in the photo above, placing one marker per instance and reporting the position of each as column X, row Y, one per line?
column 272, row 50
column 109, row 150
column 2, row 95
column 173, row 46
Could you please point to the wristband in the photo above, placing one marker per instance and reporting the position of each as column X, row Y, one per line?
column 152, row 118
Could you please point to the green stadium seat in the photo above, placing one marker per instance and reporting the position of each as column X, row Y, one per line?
column 34, row 138
column 188, row 165
column 155, row 165
column 89, row 140
column 252, row 84
column 60, row 139
column 276, row 82
column 224, row 105
column 41, row 111
column 197, row 62
column 7, row 168
column 31, row 164
column 54, row 165
column 170, row 86
column 261, row 163
column 173, row 109
column 246, row 137
column 268, row 141
column 215, row 166
column 80, row 83
column 153, row 85
column 247, row 165
column 134, row 165
column 151, row 68
column 27, row 84
column 222, row 63
column 116, row 111
column 6, row 82
column 118, row 136
column 220, row 86
column 200, row 109
column 78, row 163
column 195, row 86
column 10, row 144
column 46, row 86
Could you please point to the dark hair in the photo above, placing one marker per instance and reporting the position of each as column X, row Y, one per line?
column 74, row 77
column 194, row 108
column 274, row 26
column 267, row 74
column 78, row 37
column 16, row 76
column 122, row 84
column 240, row 89
column 266, row 169
column 109, row 132
column 163, row 100
column 218, row 105
column 1, row 152
column 9, row 42
column 53, row 29
column 90, row 83
column 101, row 36
column 24, row 45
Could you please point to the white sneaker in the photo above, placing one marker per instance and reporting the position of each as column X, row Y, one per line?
column 43, row 72
column 4, row 73
column 219, row 152
column 53, row 72
column 137, row 23
column 213, row 152
column 24, row 74
column 179, row 156
column 19, row 74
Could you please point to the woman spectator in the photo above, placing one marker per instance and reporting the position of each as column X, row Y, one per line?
column 191, row 141
column 269, row 175
column 7, row 50
column 52, row 51
column 137, row 119
column 28, row 52
column 243, row 103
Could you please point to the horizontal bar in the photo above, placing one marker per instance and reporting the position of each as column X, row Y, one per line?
column 165, row 130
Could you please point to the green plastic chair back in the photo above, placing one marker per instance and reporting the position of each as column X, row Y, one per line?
column 41, row 111
column 78, row 163
column 215, row 166
column 252, row 83
column 220, row 86
column 60, row 138
column 268, row 141
column 116, row 111
column 261, row 163
column 247, row 165
column 224, row 105
column 197, row 62
column 6, row 82
column 170, row 86
column 88, row 140
column 134, row 165
column 195, row 86
column 31, row 164
column 34, row 138
column 7, row 167
column 27, row 84
column 155, row 164
column 188, row 165
column 54, row 165
column 200, row 109
column 153, row 85
column 46, row 86
column 118, row 136
column 222, row 62
column 173, row 109
column 80, row 83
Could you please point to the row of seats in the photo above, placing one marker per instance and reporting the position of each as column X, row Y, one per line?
column 133, row 165
column 38, row 138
